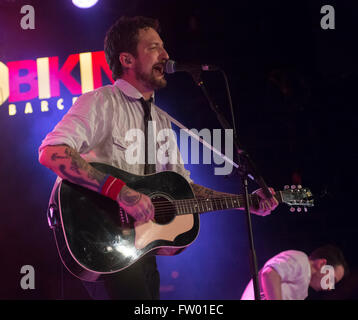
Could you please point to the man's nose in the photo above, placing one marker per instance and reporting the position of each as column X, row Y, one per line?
column 165, row 55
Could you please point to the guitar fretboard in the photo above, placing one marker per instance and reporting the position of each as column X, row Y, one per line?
column 198, row 205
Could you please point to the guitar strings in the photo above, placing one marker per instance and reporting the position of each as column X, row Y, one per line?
column 239, row 198
column 202, row 201
column 162, row 207
column 185, row 206
column 197, row 201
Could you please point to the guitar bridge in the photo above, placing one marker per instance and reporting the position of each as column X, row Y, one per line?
column 124, row 219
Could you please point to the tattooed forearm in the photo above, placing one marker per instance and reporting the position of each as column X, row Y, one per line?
column 68, row 164
column 78, row 165
column 77, row 180
column 76, row 160
column 203, row 192
column 129, row 197
column 94, row 174
column 55, row 156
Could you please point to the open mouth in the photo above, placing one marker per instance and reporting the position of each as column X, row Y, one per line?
column 159, row 68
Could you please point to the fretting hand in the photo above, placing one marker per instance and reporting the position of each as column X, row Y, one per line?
column 266, row 205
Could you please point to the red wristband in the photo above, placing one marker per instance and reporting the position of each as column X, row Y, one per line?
column 112, row 187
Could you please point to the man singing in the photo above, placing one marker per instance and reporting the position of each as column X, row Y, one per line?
column 94, row 130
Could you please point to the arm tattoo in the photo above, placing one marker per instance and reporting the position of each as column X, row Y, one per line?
column 77, row 180
column 76, row 160
column 76, row 169
column 128, row 197
column 55, row 157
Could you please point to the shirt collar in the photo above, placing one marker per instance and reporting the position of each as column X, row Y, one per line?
column 129, row 90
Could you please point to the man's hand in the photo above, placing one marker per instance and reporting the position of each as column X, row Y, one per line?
column 136, row 204
column 266, row 205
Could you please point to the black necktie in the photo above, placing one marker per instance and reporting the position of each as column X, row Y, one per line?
column 148, row 167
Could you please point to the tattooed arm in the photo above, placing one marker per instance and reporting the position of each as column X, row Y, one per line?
column 203, row 192
column 69, row 165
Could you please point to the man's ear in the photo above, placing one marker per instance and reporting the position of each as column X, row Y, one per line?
column 126, row 59
column 320, row 263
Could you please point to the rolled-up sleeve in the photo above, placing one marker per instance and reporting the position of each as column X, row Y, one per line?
column 85, row 125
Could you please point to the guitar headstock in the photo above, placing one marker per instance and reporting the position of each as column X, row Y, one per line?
column 297, row 198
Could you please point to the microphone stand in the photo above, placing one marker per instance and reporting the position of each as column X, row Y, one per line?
column 246, row 167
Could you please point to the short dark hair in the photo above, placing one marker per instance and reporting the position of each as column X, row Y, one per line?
column 122, row 36
column 332, row 254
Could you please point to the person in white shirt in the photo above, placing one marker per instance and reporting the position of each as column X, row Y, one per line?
column 94, row 129
column 289, row 274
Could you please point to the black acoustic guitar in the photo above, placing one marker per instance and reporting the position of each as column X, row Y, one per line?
column 95, row 237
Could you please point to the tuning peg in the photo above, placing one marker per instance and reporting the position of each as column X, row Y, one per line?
column 299, row 187
column 299, row 209
column 305, row 209
column 286, row 187
column 293, row 187
column 292, row 209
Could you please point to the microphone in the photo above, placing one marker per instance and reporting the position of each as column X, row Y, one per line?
column 173, row 66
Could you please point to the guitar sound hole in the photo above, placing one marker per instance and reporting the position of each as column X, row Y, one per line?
column 164, row 210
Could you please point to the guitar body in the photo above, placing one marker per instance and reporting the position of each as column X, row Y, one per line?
column 96, row 238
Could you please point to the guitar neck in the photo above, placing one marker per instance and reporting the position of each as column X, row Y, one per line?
column 198, row 205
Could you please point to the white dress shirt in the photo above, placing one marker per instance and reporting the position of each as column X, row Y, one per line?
column 97, row 123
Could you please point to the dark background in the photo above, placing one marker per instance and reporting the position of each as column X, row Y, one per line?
column 293, row 88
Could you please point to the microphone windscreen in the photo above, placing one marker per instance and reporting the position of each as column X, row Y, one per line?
column 170, row 66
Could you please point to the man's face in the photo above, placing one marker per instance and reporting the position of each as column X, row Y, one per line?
column 316, row 279
column 150, row 60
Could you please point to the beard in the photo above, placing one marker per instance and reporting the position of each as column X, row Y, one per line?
column 150, row 80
